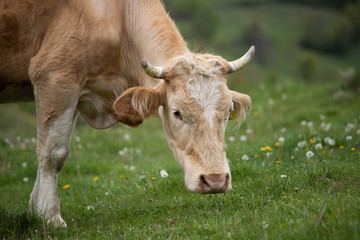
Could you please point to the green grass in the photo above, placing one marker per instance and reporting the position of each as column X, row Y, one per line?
column 129, row 204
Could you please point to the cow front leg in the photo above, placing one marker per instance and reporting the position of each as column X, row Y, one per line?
column 56, row 120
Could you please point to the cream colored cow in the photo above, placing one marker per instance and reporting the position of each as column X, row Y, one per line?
column 86, row 57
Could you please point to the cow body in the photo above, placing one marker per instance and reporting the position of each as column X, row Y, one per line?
column 84, row 57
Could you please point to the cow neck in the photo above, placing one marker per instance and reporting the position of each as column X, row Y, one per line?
column 151, row 35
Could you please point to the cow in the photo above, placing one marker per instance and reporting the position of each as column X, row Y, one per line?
column 115, row 61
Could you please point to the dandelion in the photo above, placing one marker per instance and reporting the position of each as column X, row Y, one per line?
column 24, row 164
column 303, row 123
column 349, row 127
column 267, row 188
column 127, row 137
column 341, row 147
column 132, row 168
column 268, row 154
column 277, row 144
column 245, row 157
column 301, row 144
column 95, row 178
column 283, row 176
column 268, row 148
column 318, row 146
column 311, row 141
column 358, row 132
column 348, row 138
column 66, row 186
column 283, row 96
column 330, row 141
column 25, row 179
column 282, row 130
column 309, row 154
column 106, row 193
column 231, row 138
column 33, row 140
column 154, row 178
column 77, row 139
column 310, row 124
column 270, row 101
column 243, row 138
column 163, row 174
column 278, row 162
column 263, row 149
column 296, row 149
column 90, row 208
column 281, row 140
column 353, row 149
column 122, row 176
column 325, row 126
column 249, row 131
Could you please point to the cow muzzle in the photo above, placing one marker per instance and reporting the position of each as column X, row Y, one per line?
column 214, row 183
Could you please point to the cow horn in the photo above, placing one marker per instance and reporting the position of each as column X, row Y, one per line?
column 152, row 71
column 241, row 62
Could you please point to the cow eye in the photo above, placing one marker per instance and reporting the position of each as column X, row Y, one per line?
column 177, row 114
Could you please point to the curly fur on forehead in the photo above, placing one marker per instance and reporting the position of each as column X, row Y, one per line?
column 203, row 64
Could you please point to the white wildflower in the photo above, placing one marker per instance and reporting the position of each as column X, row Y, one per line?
column 309, row 154
column 358, row 132
column 281, row 140
column 283, row 96
column 18, row 138
column 301, row 144
column 163, row 173
column 283, row 130
column 283, row 176
column 249, row 131
column 243, row 138
column 322, row 117
column 127, row 137
column 77, row 139
column 303, row 123
column 106, row 193
column 270, row 101
column 33, row 140
column 231, row 138
column 90, row 207
column 325, row 126
column 296, row 149
column 318, row 146
column 330, row 141
column 268, row 154
column 132, row 168
column 265, row 225
column 245, row 157
column 24, row 164
column 348, row 138
column 310, row 124
column 292, row 157
column 25, row 179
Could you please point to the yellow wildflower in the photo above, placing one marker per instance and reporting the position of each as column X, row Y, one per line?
column 268, row 148
column 256, row 113
column 277, row 144
column 154, row 178
column 278, row 162
column 66, row 186
column 341, row 147
column 267, row 188
column 353, row 149
column 95, row 178
column 122, row 176
column 311, row 141
column 263, row 149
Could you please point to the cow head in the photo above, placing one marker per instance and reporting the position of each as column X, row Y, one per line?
column 194, row 105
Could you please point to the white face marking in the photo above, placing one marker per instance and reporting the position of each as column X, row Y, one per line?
column 206, row 93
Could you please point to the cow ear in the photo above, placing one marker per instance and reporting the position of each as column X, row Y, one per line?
column 136, row 104
column 241, row 107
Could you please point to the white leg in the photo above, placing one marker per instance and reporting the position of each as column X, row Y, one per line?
column 52, row 151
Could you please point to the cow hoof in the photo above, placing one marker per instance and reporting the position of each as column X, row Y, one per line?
column 57, row 221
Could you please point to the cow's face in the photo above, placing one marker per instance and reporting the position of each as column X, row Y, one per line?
column 194, row 105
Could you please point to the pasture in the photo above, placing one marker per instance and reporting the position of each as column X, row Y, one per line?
column 111, row 187
column 295, row 161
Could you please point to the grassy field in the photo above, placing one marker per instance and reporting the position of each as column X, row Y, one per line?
column 285, row 185
column 278, row 192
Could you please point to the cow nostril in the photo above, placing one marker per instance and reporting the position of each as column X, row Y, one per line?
column 203, row 181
